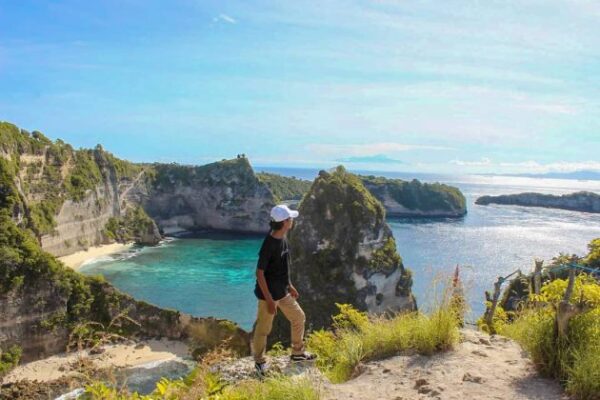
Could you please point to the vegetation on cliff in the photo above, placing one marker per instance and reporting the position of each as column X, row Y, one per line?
column 416, row 196
column 572, row 358
column 357, row 338
column 25, row 269
column 579, row 201
column 168, row 176
column 284, row 187
column 9, row 358
column 133, row 226
column 49, row 173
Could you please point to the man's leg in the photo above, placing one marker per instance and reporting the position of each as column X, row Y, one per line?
column 262, row 328
column 293, row 312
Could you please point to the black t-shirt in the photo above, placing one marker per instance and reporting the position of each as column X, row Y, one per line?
column 274, row 259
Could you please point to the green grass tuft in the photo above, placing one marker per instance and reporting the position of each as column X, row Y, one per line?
column 357, row 338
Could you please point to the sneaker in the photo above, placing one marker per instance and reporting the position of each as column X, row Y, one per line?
column 303, row 357
column 261, row 369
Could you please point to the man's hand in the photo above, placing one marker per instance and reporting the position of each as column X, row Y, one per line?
column 271, row 307
column 294, row 292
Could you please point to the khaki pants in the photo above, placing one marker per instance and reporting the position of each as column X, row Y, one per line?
column 264, row 322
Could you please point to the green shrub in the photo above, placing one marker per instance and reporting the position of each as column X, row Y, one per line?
column 357, row 338
column 202, row 384
column 386, row 257
column 128, row 227
column 9, row 359
column 574, row 360
column 283, row 187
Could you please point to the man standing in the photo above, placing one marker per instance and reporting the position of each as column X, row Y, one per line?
column 274, row 290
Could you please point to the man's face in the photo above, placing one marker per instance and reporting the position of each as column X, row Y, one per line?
column 288, row 224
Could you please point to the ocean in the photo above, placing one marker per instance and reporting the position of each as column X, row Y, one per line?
column 212, row 274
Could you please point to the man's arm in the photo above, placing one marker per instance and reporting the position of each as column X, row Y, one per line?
column 292, row 289
column 263, row 261
column 262, row 283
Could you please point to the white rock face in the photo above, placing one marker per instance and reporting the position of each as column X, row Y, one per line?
column 385, row 297
column 224, row 196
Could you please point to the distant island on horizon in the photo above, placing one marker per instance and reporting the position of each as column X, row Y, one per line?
column 586, row 175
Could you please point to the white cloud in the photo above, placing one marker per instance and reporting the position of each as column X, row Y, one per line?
column 225, row 18
column 530, row 166
column 369, row 149
column 477, row 163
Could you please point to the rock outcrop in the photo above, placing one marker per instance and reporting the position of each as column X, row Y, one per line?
column 415, row 199
column 224, row 195
column 579, row 201
column 344, row 252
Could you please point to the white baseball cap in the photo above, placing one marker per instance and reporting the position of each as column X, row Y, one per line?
column 282, row 212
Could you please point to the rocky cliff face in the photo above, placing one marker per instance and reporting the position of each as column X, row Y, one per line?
column 65, row 196
column 225, row 195
column 415, row 199
column 580, row 201
column 344, row 252
column 73, row 199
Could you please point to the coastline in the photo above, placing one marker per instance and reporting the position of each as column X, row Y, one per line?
column 76, row 260
column 123, row 355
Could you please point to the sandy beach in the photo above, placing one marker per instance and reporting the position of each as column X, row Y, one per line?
column 117, row 356
column 76, row 259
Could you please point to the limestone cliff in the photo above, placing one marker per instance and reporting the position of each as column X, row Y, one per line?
column 415, row 199
column 66, row 196
column 344, row 252
column 579, row 201
column 72, row 199
column 224, row 195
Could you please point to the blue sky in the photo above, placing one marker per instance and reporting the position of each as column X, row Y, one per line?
column 445, row 86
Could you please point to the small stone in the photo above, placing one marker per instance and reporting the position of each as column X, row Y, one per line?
column 139, row 346
column 484, row 341
column 386, row 370
column 97, row 350
column 467, row 377
column 420, row 382
column 479, row 353
column 424, row 389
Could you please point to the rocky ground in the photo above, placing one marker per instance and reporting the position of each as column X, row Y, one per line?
column 480, row 367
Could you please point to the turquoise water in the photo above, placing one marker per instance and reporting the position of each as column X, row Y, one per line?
column 213, row 274
column 202, row 276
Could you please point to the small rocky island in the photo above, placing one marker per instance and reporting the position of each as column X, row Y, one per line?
column 579, row 201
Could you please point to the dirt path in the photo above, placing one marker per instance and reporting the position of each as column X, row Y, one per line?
column 481, row 367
